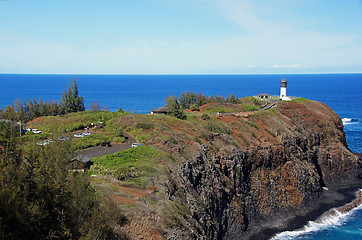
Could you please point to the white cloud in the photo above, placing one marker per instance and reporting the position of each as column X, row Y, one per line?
column 239, row 53
column 287, row 66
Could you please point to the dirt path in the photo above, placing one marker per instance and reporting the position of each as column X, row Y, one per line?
column 133, row 191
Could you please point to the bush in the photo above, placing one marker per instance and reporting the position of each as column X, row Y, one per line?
column 217, row 127
column 29, row 136
column 119, row 132
column 119, row 139
column 146, row 126
column 88, row 141
column 140, row 135
column 204, row 116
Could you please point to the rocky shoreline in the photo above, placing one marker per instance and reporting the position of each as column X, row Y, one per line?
column 267, row 174
column 344, row 199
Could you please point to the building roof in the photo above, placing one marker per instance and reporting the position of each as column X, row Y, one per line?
column 163, row 109
column 83, row 158
column 264, row 94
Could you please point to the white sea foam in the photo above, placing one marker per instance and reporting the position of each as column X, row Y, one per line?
column 331, row 219
column 347, row 121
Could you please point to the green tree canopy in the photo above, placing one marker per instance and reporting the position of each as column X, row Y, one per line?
column 174, row 107
column 41, row 199
column 71, row 100
column 188, row 100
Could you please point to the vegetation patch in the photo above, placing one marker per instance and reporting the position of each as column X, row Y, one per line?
column 253, row 100
column 301, row 100
column 88, row 141
column 228, row 108
column 74, row 121
column 217, row 127
column 134, row 165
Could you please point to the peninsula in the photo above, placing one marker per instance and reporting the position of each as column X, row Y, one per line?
column 215, row 176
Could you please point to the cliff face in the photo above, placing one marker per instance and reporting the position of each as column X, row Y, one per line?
column 268, row 164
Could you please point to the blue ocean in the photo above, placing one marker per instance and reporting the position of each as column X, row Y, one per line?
column 142, row 93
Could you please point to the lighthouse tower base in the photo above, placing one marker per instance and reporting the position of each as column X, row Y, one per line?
column 285, row 99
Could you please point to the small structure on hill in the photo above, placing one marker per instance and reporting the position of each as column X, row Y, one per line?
column 160, row 110
column 263, row 96
column 80, row 162
column 283, row 90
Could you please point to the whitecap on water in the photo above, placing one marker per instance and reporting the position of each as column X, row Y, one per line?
column 331, row 219
column 346, row 121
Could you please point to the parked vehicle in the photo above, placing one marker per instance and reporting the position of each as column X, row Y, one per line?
column 36, row 131
column 106, row 144
column 86, row 133
column 63, row 138
column 136, row 145
column 79, row 135
column 45, row 142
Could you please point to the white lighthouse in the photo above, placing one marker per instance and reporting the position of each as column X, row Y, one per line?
column 283, row 90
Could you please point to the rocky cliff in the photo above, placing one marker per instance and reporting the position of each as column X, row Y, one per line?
column 249, row 171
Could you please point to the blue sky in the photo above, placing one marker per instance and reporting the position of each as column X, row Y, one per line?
column 180, row 36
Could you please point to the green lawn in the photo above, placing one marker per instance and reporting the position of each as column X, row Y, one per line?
column 135, row 165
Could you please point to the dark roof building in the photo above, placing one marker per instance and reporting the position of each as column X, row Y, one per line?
column 160, row 110
column 80, row 162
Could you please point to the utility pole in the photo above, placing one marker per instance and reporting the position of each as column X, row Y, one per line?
column 19, row 127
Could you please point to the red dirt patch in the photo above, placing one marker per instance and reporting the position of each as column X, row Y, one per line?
column 35, row 120
column 123, row 200
column 133, row 191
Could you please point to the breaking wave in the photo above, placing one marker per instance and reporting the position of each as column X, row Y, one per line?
column 333, row 218
column 346, row 121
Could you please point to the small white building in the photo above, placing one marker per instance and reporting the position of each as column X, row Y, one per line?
column 263, row 96
column 283, row 90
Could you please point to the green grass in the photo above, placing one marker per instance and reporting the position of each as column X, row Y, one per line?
column 253, row 100
column 88, row 141
column 73, row 121
column 230, row 108
column 301, row 100
column 250, row 107
column 134, row 165
column 217, row 127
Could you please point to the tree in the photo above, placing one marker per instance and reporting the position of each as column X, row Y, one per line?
column 233, row 99
column 71, row 101
column 10, row 114
column 94, row 106
column 41, row 199
column 200, row 99
column 174, row 107
column 188, row 100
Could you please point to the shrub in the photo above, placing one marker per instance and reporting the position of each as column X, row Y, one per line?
column 205, row 116
column 119, row 139
column 119, row 132
column 217, row 127
column 88, row 141
column 29, row 136
column 197, row 139
column 146, row 126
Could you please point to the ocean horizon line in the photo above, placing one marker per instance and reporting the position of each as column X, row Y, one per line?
column 182, row 74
